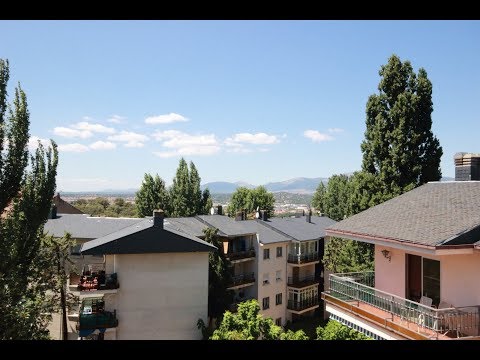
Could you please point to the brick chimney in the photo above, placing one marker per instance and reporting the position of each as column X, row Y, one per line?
column 467, row 166
column 158, row 216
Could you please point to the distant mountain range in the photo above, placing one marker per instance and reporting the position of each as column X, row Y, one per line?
column 300, row 185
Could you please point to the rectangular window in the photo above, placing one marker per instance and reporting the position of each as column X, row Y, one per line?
column 278, row 321
column 431, row 279
column 266, row 254
column 266, row 279
column 278, row 275
column 266, row 303
column 279, row 251
column 278, row 299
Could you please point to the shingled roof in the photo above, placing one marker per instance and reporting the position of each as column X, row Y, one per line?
column 434, row 214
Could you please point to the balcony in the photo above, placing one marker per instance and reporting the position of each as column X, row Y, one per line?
column 301, row 282
column 100, row 320
column 355, row 294
column 303, row 258
column 240, row 256
column 303, row 305
column 95, row 281
column 234, row 306
column 243, row 280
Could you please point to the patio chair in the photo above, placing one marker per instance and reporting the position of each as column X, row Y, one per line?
column 425, row 300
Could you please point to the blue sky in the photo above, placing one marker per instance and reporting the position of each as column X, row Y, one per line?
column 254, row 101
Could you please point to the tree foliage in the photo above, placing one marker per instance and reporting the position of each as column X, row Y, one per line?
column 152, row 195
column 336, row 331
column 101, row 206
column 248, row 324
column 251, row 199
column 25, row 201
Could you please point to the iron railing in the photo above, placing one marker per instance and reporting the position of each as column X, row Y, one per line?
column 297, row 281
column 104, row 319
column 453, row 322
column 242, row 279
column 303, row 304
column 303, row 258
column 238, row 255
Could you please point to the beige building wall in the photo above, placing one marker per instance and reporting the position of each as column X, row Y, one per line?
column 161, row 296
column 274, row 286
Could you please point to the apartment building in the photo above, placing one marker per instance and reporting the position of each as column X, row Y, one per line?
column 427, row 257
column 138, row 279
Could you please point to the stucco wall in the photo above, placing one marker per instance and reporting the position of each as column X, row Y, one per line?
column 161, row 296
column 390, row 275
column 271, row 266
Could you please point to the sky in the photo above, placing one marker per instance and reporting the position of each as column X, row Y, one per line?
column 254, row 101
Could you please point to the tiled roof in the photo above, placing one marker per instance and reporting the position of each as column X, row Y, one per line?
column 299, row 228
column 437, row 213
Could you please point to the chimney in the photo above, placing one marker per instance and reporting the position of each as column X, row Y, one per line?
column 53, row 212
column 239, row 216
column 219, row 210
column 309, row 216
column 264, row 215
column 158, row 216
column 467, row 166
column 244, row 214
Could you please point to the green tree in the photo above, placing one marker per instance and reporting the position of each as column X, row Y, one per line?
column 207, row 202
column 319, row 198
column 179, row 192
column 152, row 195
column 195, row 194
column 24, row 281
column 248, row 324
column 348, row 256
column 336, row 197
column 251, row 199
column 336, row 331
column 399, row 146
column 219, row 277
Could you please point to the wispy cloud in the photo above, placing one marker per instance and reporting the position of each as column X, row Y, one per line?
column 82, row 130
column 335, row 130
column 98, row 128
column 248, row 138
column 116, row 119
column 131, row 139
column 317, row 136
column 165, row 119
column 103, row 145
column 184, row 144
column 33, row 143
column 72, row 133
column 73, row 147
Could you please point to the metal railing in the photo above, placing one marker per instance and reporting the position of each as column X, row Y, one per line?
column 453, row 322
column 238, row 255
column 303, row 304
column 104, row 319
column 303, row 258
column 297, row 281
column 242, row 279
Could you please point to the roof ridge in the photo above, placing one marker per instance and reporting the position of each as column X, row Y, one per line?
column 275, row 229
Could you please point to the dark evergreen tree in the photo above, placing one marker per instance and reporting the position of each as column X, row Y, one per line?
column 151, row 196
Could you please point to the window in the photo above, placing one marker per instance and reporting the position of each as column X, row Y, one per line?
column 279, row 251
column 278, row 321
column 278, row 275
column 266, row 303
column 431, row 279
column 266, row 254
column 266, row 279
column 278, row 299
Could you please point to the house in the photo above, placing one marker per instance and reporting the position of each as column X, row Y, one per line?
column 139, row 279
column 427, row 257
column 64, row 207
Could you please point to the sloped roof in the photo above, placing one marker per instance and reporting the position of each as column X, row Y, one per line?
column 437, row 213
column 299, row 228
column 144, row 237
column 188, row 225
column 64, row 207
column 227, row 226
column 83, row 226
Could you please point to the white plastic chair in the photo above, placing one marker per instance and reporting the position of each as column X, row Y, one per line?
column 425, row 300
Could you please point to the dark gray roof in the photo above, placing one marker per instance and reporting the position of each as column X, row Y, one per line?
column 227, row 226
column 189, row 225
column 299, row 228
column 266, row 235
column 143, row 238
column 83, row 226
column 437, row 213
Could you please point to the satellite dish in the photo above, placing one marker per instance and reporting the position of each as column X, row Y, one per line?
column 212, row 211
column 258, row 208
column 257, row 214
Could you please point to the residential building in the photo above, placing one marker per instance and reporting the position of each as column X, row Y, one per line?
column 427, row 257
column 63, row 207
column 139, row 279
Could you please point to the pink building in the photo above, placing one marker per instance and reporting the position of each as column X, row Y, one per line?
column 427, row 260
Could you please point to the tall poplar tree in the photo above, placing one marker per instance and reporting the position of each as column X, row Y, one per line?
column 152, row 195
column 195, row 194
column 180, row 191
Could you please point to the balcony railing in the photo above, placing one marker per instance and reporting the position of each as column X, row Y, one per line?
column 242, row 279
column 98, row 281
column 303, row 258
column 450, row 322
column 239, row 255
column 302, row 304
column 299, row 282
column 100, row 320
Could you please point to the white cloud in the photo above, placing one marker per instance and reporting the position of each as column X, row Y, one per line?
column 335, row 130
column 33, row 143
column 317, row 136
column 103, row 145
column 73, row 147
column 72, row 133
column 87, row 118
column 186, row 144
column 240, row 150
column 131, row 139
column 98, row 128
column 116, row 119
column 257, row 139
column 165, row 119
